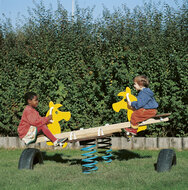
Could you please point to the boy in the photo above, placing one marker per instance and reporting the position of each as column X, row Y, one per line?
column 145, row 106
column 32, row 123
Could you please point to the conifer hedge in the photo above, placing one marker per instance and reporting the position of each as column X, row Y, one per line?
column 83, row 63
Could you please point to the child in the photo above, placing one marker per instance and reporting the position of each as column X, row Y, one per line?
column 145, row 106
column 32, row 123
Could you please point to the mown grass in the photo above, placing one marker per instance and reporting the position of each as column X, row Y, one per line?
column 132, row 170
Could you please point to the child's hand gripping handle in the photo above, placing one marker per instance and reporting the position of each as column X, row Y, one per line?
column 51, row 113
column 128, row 100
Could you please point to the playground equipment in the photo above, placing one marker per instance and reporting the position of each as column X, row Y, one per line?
column 166, row 159
column 104, row 145
column 57, row 116
column 89, row 163
column 96, row 132
column 30, row 157
column 123, row 105
column 102, row 134
column 91, row 146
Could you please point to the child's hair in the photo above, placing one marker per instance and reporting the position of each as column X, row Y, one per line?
column 29, row 96
column 142, row 80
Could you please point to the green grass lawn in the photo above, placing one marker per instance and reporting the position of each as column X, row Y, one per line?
column 62, row 170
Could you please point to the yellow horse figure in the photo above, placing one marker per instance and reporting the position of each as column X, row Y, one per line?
column 123, row 105
column 57, row 116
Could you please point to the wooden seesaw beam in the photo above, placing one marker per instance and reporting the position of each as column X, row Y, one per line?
column 90, row 133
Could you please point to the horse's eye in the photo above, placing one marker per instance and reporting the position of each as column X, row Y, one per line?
column 56, row 112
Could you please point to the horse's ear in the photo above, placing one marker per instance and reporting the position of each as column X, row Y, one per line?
column 51, row 104
column 128, row 90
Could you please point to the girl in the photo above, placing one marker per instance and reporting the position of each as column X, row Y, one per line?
column 145, row 106
column 32, row 123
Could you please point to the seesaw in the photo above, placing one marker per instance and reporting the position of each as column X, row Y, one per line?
column 109, row 129
column 86, row 134
column 30, row 156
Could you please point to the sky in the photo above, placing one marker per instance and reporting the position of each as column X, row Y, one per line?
column 14, row 9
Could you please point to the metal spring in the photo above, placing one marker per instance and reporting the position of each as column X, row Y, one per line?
column 89, row 163
column 105, row 143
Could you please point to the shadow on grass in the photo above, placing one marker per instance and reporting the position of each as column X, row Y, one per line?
column 116, row 155
column 127, row 155
column 59, row 158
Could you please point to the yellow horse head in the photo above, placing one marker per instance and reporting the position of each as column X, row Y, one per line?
column 123, row 105
column 57, row 116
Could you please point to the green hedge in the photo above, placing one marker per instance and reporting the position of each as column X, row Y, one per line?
column 84, row 63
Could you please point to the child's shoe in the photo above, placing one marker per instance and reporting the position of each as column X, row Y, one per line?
column 131, row 130
column 59, row 142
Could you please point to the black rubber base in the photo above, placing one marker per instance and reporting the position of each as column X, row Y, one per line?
column 166, row 159
column 29, row 158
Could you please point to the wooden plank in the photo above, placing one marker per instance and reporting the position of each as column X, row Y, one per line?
column 91, row 138
column 162, row 115
column 105, row 130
